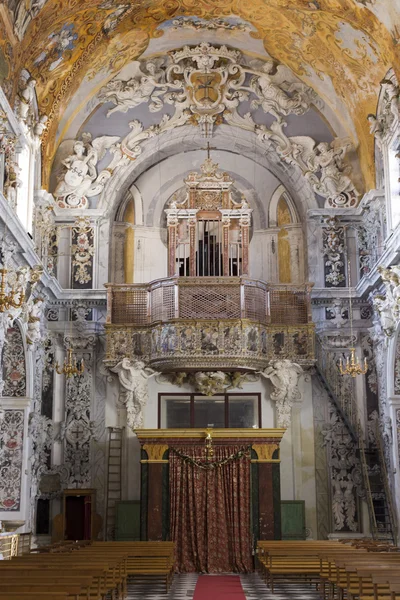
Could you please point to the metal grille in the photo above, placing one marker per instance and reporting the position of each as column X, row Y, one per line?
column 130, row 306
column 255, row 303
column 209, row 301
column 288, row 307
column 162, row 299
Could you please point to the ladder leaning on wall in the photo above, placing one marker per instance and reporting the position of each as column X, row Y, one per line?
column 114, row 476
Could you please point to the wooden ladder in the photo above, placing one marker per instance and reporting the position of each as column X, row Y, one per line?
column 114, row 474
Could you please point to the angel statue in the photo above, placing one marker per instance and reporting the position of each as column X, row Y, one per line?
column 81, row 181
column 273, row 98
column 141, row 87
column 133, row 377
column 284, row 376
column 334, row 182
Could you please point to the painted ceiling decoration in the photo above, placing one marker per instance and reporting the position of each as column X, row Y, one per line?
column 341, row 49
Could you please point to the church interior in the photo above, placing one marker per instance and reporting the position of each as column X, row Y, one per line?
column 199, row 299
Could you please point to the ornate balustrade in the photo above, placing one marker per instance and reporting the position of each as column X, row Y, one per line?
column 202, row 323
column 207, row 298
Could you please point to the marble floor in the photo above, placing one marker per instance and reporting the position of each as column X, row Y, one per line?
column 254, row 589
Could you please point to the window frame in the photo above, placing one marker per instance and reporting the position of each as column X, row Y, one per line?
column 226, row 396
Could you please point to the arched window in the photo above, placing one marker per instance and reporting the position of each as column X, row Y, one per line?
column 284, row 218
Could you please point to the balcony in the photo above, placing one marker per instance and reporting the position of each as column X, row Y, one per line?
column 194, row 323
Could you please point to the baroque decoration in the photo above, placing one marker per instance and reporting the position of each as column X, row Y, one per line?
column 333, row 236
column 133, row 377
column 77, row 429
column 206, row 85
column 388, row 305
column 345, row 474
column 11, row 447
column 82, row 252
column 284, row 376
column 81, row 180
column 14, row 367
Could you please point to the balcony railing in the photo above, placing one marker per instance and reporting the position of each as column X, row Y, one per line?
column 209, row 322
column 218, row 298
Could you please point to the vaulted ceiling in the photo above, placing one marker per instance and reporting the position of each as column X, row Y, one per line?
column 341, row 48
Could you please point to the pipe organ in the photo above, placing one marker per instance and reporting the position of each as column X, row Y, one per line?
column 208, row 233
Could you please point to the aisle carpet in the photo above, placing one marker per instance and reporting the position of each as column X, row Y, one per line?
column 219, row 587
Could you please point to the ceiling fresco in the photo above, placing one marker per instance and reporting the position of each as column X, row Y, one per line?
column 341, row 48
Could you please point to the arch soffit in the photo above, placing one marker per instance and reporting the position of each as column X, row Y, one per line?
column 183, row 139
column 273, row 206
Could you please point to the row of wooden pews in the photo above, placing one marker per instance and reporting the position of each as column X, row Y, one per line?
column 82, row 571
column 359, row 570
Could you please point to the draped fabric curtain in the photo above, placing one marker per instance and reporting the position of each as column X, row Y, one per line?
column 210, row 512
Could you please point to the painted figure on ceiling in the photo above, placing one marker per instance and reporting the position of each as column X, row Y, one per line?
column 59, row 43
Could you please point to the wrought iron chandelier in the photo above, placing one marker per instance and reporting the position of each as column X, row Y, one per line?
column 70, row 366
column 353, row 366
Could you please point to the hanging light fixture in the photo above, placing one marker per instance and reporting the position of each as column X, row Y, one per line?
column 70, row 366
column 352, row 366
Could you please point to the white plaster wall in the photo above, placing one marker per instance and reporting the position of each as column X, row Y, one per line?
column 150, row 259
column 298, row 456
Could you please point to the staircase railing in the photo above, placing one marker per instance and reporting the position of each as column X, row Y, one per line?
column 388, row 491
column 367, row 487
column 341, row 390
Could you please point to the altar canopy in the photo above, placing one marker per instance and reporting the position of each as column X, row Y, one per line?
column 214, row 492
column 210, row 509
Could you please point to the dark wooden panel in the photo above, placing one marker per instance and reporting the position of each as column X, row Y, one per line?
column 154, row 506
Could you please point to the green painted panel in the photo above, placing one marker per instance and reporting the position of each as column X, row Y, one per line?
column 127, row 521
column 293, row 520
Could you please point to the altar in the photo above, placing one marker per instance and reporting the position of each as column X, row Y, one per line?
column 215, row 492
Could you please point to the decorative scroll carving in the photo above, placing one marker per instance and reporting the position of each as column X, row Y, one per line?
column 11, row 448
column 14, row 368
column 211, row 383
column 336, row 313
column 210, row 345
column 77, row 428
column 203, row 83
column 333, row 247
column 82, row 253
column 284, row 376
column 133, row 378
column 345, row 474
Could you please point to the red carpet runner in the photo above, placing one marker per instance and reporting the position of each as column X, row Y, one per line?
column 219, row 587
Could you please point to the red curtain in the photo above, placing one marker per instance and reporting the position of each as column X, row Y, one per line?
column 210, row 512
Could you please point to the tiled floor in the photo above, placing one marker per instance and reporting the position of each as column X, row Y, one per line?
column 253, row 587
column 182, row 589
